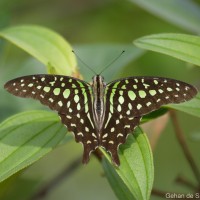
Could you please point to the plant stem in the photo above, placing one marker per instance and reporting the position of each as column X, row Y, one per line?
column 182, row 142
column 159, row 193
column 181, row 180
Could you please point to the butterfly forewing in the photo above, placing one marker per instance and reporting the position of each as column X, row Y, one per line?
column 137, row 96
column 52, row 90
column 70, row 97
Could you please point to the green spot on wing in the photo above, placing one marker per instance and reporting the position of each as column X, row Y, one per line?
column 46, row 89
column 86, row 107
column 111, row 96
column 78, row 106
column 116, row 84
column 66, row 93
column 169, row 89
column 152, row 92
column 131, row 95
column 76, row 98
column 148, row 103
column 30, row 85
column 56, row 91
column 119, row 108
column 155, row 82
column 121, row 99
column 135, row 87
column 60, row 103
column 142, row 93
column 121, row 92
column 80, row 83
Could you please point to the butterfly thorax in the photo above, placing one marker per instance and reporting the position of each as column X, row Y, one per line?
column 98, row 89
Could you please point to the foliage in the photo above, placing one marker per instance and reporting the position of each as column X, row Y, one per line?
column 134, row 178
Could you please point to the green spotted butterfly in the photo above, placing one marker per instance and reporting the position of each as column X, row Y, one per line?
column 100, row 114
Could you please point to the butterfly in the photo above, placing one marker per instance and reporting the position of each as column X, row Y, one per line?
column 100, row 114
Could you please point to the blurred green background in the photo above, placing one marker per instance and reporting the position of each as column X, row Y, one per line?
column 91, row 26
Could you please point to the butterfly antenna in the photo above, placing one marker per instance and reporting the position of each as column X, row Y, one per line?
column 111, row 62
column 84, row 62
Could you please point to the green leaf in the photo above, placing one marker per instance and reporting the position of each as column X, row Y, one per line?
column 183, row 13
column 191, row 107
column 45, row 45
column 18, row 188
column 26, row 137
column 133, row 179
column 181, row 46
column 155, row 114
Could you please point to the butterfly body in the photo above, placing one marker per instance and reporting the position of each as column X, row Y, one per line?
column 98, row 91
column 101, row 114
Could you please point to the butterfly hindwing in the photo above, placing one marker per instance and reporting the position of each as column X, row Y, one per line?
column 81, row 123
column 116, row 128
column 69, row 96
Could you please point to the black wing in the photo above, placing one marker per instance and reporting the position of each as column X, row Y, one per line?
column 69, row 96
column 127, row 100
